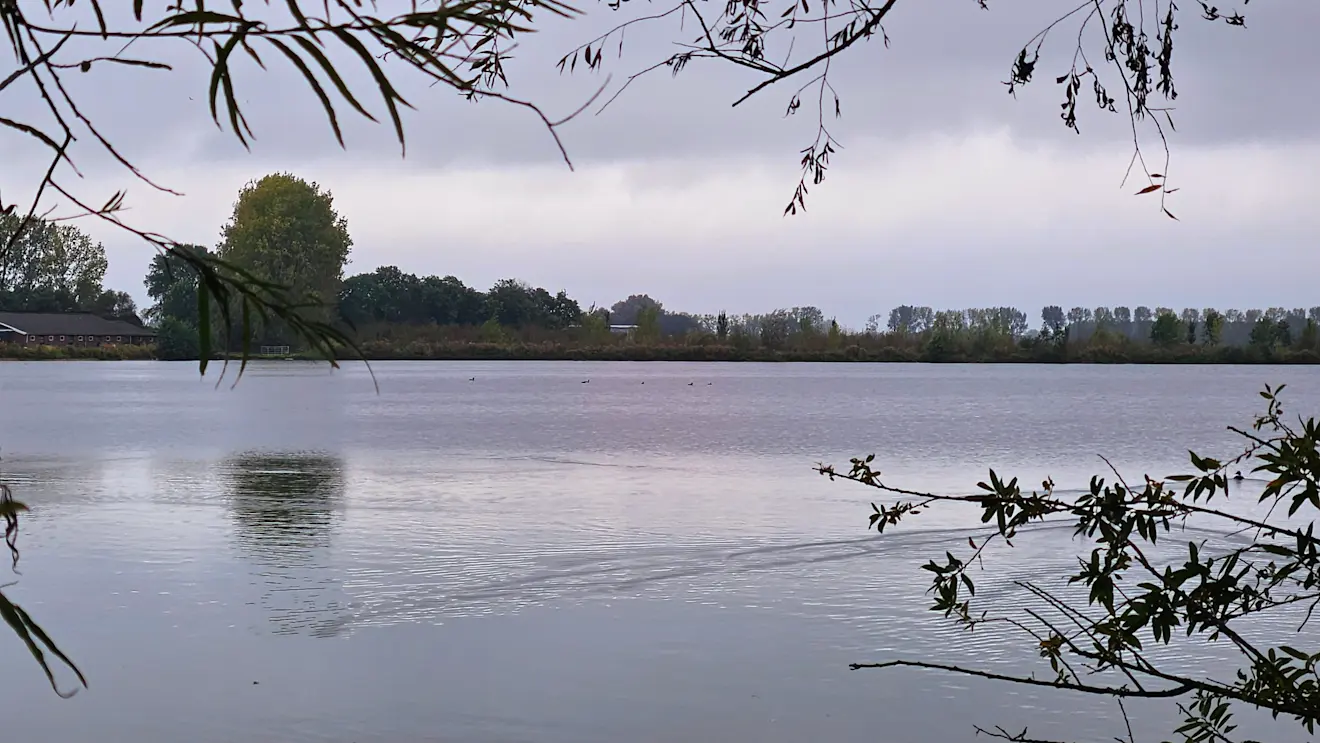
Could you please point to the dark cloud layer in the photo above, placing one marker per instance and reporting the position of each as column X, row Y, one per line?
column 956, row 244
column 942, row 72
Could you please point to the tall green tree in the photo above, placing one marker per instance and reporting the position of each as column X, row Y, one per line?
column 1053, row 320
column 176, row 340
column 512, row 303
column 49, row 266
column 285, row 230
column 1167, row 330
column 647, row 320
column 1309, row 340
column 1214, row 326
column 1268, row 335
column 625, row 311
column 172, row 285
column 835, row 337
column 115, row 305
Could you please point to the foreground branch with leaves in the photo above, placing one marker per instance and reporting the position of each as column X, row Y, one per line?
column 461, row 46
column 1211, row 594
column 34, row 638
column 1118, row 52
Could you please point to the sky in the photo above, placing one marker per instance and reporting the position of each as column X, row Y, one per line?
column 945, row 190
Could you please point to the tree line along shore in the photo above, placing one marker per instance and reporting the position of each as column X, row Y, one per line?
column 286, row 231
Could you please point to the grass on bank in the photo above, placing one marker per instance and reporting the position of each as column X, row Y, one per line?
column 439, row 343
column 478, row 351
column 15, row 352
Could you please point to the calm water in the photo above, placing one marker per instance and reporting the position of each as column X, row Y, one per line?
column 525, row 557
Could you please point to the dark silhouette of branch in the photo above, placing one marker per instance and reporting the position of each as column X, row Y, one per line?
column 1135, row 42
column 1131, row 592
column 442, row 44
column 1113, row 691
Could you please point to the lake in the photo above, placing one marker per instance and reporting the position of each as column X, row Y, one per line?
column 507, row 552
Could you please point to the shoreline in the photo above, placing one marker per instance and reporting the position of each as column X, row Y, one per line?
column 1234, row 359
column 819, row 350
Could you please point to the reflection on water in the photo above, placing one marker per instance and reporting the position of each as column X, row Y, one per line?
column 283, row 504
column 285, row 507
column 526, row 558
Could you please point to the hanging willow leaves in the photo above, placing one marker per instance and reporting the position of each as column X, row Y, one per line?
column 34, row 638
column 460, row 47
column 439, row 42
column 1253, row 569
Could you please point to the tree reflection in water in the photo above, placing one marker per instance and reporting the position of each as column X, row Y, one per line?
column 284, row 503
column 285, row 506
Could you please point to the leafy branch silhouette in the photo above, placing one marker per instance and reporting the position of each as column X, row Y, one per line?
column 1132, row 42
column 1260, row 566
column 463, row 45
column 458, row 45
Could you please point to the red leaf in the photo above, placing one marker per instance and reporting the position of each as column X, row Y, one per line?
column 1148, row 189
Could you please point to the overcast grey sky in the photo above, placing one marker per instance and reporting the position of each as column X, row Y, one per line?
column 947, row 191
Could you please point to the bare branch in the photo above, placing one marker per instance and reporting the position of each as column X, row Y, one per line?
column 1112, row 691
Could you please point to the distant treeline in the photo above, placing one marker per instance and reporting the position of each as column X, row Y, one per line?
column 286, row 231
column 389, row 296
column 995, row 335
column 389, row 305
column 393, row 314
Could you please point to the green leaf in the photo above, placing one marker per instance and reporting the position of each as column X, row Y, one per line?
column 247, row 339
column 11, row 508
column 203, row 324
column 137, row 63
column 315, row 85
column 32, row 131
column 193, row 18
column 1294, row 652
column 222, row 79
column 387, row 91
column 333, row 74
column 31, row 634
column 295, row 10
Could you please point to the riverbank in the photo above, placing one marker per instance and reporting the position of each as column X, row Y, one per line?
column 711, row 353
column 1129, row 354
column 12, row 352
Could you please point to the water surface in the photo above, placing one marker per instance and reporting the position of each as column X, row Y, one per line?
column 559, row 552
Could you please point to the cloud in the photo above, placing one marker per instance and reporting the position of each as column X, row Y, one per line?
column 946, row 191
column 941, row 72
column 941, row 220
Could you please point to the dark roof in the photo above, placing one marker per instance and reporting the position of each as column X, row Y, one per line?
column 71, row 323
